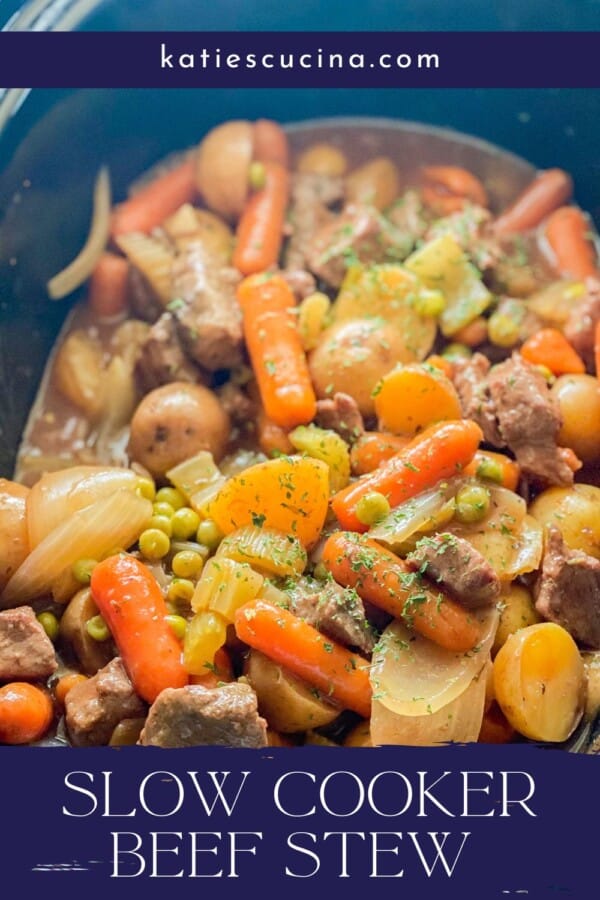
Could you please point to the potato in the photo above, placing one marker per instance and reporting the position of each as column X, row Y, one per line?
column 352, row 356
column 322, row 159
column 540, row 682
column 78, row 373
column 92, row 655
column 591, row 661
column 575, row 511
column 287, row 703
column 222, row 165
column 578, row 398
column 517, row 611
column 200, row 226
column 14, row 539
column 175, row 422
column 377, row 183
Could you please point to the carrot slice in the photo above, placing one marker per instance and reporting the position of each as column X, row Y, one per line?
column 414, row 396
column 260, row 229
column 130, row 600
column 374, row 448
column 549, row 347
column 441, row 451
column 386, row 581
column 568, row 235
column 155, row 201
column 276, row 351
column 549, row 190
column 26, row 712
column 108, row 285
column 295, row 644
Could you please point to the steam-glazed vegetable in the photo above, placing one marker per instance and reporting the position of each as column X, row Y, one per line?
column 323, row 442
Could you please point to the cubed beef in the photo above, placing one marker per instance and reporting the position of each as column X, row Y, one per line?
column 241, row 409
column 340, row 413
column 300, row 282
column 208, row 317
column 359, row 234
column 457, row 567
column 568, row 590
column 337, row 612
column 95, row 707
column 529, row 420
column 26, row 651
column 470, row 380
column 311, row 197
column 581, row 326
column 161, row 359
column 191, row 716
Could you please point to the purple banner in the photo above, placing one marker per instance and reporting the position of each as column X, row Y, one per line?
column 456, row 822
column 300, row 59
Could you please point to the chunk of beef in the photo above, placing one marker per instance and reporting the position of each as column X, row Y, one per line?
column 337, row 612
column 191, row 716
column 340, row 413
column 458, row 567
column 240, row 408
column 470, row 380
column 161, row 359
column 529, row 420
column 568, row 590
column 208, row 317
column 301, row 282
column 358, row 234
column 96, row 706
column 26, row 651
column 144, row 302
column 311, row 197
column 581, row 325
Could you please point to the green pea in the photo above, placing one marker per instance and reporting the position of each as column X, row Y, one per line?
column 163, row 523
column 257, row 175
column 180, row 590
column 503, row 330
column 491, row 470
column 472, row 503
column 185, row 523
column 170, row 495
column 97, row 629
column 187, row 564
column 209, row 534
column 430, row 303
column 154, row 543
column 178, row 625
column 146, row 488
column 82, row 570
column 163, row 509
column 321, row 572
column 457, row 351
column 49, row 623
column 372, row 508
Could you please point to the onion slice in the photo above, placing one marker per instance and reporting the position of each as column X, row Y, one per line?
column 84, row 263
column 417, row 514
column 114, row 521
column 412, row 676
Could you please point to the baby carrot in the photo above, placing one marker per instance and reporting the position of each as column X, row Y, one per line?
column 597, row 349
column 440, row 451
column 260, row 228
column 276, row 351
column 155, row 201
column 131, row 602
column 272, row 438
column 270, row 143
column 386, row 581
column 447, row 188
column 374, row 448
column 26, row 712
column 295, row 644
column 107, row 294
column 549, row 190
column 568, row 234
column 549, row 347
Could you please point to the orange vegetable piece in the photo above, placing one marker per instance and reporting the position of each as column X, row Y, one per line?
column 549, row 190
column 276, row 351
column 289, row 493
column 260, row 228
column 26, row 713
column 411, row 397
column 130, row 600
column 64, row 685
column 272, row 438
column 448, row 188
column 441, row 451
column 568, row 235
column 381, row 577
column 293, row 643
column 511, row 471
column 473, row 334
column 549, row 347
column 157, row 200
column 374, row 448
column 597, row 349
column 107, row 294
